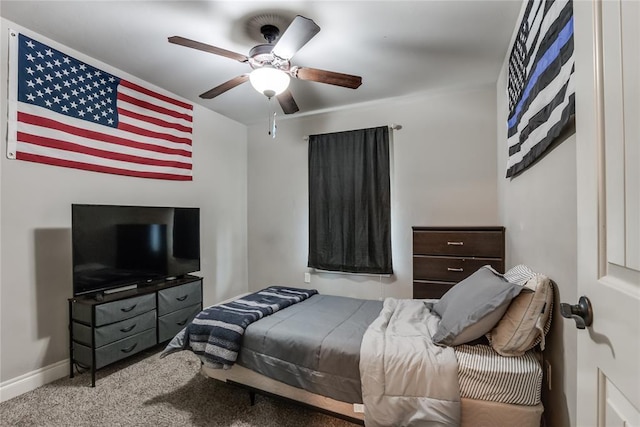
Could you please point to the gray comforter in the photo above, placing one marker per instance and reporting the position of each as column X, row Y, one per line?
column 313, row 345
column 407, row 380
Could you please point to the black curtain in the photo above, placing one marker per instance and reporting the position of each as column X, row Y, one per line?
column 350, row 201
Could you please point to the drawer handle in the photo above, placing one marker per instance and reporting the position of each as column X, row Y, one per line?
column 130, row 328
column 454, row 269
column 129, row 349
column 182, row 298
column 184, row 322
column 455, row 243
column 128, row 309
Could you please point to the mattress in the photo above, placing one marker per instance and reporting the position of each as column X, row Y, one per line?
column 485, row 375
column 315, row 345
column 495, row 391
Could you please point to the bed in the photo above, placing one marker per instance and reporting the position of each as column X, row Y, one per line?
column 359, row 359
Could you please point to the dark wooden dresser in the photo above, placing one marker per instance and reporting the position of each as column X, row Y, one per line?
column 443, row 256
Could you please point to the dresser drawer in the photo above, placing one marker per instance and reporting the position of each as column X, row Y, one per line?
column 115, row 331
column 115, row 351
column 172, row 323
column 450, row 269
column 178, row 297
column 459, row 243
column 115, row 311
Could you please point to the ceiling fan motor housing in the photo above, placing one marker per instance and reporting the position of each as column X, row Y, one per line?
column 270, row 32
column 261, row 55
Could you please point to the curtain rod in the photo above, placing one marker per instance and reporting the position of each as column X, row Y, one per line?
column 392, row 126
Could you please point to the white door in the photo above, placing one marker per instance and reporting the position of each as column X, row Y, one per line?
column 607, row 43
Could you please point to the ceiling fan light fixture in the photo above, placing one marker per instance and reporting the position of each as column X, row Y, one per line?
column 269, row 81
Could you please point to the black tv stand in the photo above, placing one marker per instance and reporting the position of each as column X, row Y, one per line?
column 106, row 328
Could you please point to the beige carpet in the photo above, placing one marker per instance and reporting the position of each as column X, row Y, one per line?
column 148, row 391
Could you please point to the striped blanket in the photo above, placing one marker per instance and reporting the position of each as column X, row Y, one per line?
column 215, row 334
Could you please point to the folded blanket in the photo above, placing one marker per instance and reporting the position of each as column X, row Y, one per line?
column 216, row 332
column 407, row 380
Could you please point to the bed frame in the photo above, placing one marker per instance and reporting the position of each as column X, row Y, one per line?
column 475, row 413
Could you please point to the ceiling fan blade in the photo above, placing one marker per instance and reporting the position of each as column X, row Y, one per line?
column 287, row 102
column 329, row 77
column 218, row 90
column 299, row 32
column 207, row 48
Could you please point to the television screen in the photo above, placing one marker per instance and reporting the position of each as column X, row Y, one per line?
column 119, row 246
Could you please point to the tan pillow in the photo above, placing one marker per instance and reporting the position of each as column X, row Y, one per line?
column 526, row 321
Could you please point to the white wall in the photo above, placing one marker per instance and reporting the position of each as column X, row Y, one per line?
column 443, row 173
column 35, row 215
column 538, row 209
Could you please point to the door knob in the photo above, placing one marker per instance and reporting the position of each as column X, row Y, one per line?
column 581, row 312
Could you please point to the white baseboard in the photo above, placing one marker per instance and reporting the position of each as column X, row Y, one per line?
column 32, row 380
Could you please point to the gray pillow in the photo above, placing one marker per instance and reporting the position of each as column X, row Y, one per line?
column 473, row 307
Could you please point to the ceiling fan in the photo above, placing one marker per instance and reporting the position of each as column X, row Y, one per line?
column 272, row 60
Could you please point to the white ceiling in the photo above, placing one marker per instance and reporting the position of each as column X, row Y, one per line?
column 398, row 47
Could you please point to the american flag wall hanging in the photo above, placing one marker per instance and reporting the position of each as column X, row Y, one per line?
column 540, row 86
column 65, row 112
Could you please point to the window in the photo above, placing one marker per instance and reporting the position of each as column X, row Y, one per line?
column 350, row 201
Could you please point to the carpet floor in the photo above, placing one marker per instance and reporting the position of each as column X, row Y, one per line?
column 145, row 390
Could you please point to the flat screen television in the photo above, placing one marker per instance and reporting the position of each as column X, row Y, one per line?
column 122, row 246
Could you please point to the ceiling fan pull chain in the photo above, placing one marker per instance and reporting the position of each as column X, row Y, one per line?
column 272, row 120
column 269, row 118
column 273, row 126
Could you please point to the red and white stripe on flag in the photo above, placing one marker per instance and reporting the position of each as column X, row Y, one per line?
column 65, row 112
